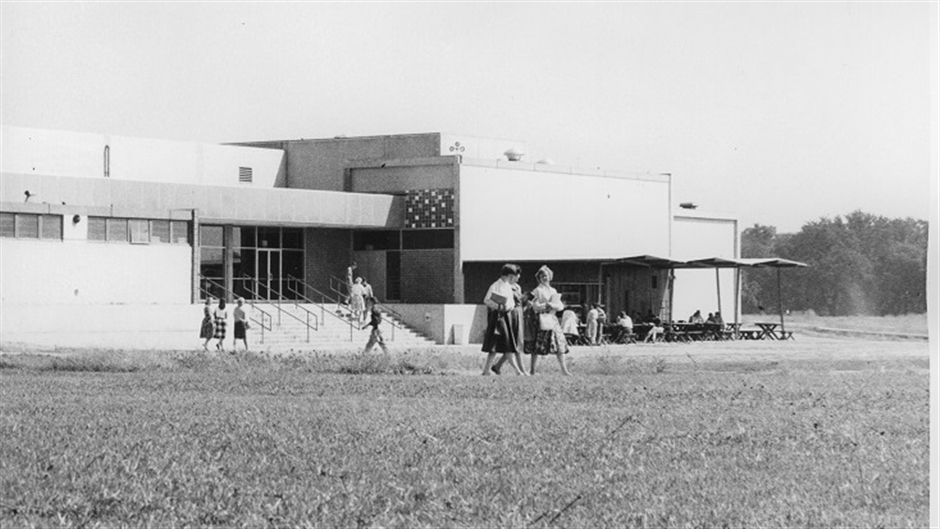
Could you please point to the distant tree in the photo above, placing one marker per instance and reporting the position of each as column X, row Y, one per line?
column 757, row 241
column 859, row 264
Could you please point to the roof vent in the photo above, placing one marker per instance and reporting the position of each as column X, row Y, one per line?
column 513, row 154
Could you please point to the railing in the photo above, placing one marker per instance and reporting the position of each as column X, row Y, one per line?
column 324, row 298
column 341, row 289
column 277, row 304
column 254, row 307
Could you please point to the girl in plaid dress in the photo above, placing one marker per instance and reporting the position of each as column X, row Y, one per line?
column 549, row 340
column 221, row 316
column 207, row 330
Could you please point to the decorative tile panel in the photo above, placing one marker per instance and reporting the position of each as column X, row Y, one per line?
column 429, row 208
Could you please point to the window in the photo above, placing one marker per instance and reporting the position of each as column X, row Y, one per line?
column 51, row 226
column 269, row 237
column 139, row 231
column 7, row 225
column 96, row 229
column 135, row 231
column 27, row 226
column 31, row 226
column 179, row 232
column 376, row 240
column 117, row 230
column 292, row 238
column 160, row 231
column 427, row 239
column 211, row 236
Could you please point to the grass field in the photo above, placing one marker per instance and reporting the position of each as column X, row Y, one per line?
column 808, row 433
column 904, row 324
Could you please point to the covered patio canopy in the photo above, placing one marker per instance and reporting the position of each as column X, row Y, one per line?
column 653, row 261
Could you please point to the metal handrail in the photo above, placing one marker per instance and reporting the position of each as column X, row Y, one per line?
column 280, row 296
column 338, row 304
column 250, row 303
column 385, row 308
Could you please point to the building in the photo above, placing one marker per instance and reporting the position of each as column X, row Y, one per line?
column 131, row 233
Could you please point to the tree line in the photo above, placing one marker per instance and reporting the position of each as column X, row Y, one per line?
column 859, row 264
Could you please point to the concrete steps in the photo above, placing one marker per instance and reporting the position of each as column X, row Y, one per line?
column 331, row 332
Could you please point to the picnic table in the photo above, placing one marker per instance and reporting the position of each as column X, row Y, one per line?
column 768, row 330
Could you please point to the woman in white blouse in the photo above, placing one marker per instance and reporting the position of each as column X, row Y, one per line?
column 500, row 334
column 550, row 340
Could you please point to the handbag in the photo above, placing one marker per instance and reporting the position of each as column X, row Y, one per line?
column 547, row 321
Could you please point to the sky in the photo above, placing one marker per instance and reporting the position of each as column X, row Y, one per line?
column 776, row 113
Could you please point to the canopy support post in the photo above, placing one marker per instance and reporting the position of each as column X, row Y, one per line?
column 737, row 301
column 780, row 304
column 718, row 284
column 671, row 281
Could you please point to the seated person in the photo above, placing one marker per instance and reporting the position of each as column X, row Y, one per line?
column 718, row 320
column 697, row 317
column 710, row 319
column 625, row 323
column 651, row 318
column 655, row 333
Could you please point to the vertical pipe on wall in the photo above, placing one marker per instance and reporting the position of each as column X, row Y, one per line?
column 196, row 256
column 227, row 264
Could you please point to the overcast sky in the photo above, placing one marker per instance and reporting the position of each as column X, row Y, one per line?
column 778, row 113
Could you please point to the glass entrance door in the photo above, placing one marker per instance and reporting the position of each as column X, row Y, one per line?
column 268, row 273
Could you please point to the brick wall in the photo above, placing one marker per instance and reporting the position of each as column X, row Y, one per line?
column 427, row 276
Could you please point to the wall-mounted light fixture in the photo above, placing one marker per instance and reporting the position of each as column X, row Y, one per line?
column 76, row 219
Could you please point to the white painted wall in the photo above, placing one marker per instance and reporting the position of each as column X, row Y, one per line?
column 61, row 153
column 75, row 272
column 699, row 238
column 522, row 214
column 159, row 327
column 441, row 322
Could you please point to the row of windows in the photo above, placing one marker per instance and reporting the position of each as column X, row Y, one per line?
column 253, row 237
column 138, row 231
column 31, row 226
column 403, row 239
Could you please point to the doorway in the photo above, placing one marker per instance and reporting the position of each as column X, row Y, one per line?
column 268, row 273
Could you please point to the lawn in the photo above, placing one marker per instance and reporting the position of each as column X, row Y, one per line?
column 811, row 433
column 904, row 324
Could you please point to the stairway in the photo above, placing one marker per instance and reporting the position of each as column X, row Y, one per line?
column 330, row 332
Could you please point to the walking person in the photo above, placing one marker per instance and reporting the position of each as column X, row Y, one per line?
column 357, row 302
column 591, row 330
column 369, row 296
column 376, row 336
column 207, row 330
column 349, row 280
column 220, row 316
column 500, row 334
column 546, row 302
column 517, row 321
column 241, row 324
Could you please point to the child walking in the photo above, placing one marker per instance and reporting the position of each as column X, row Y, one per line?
column 376, row 336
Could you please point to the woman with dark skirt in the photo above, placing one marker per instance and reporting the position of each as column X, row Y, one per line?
column 241, row 324
column 516, row 320
column 207, row 330
column 550, row 340
column 500, row 336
